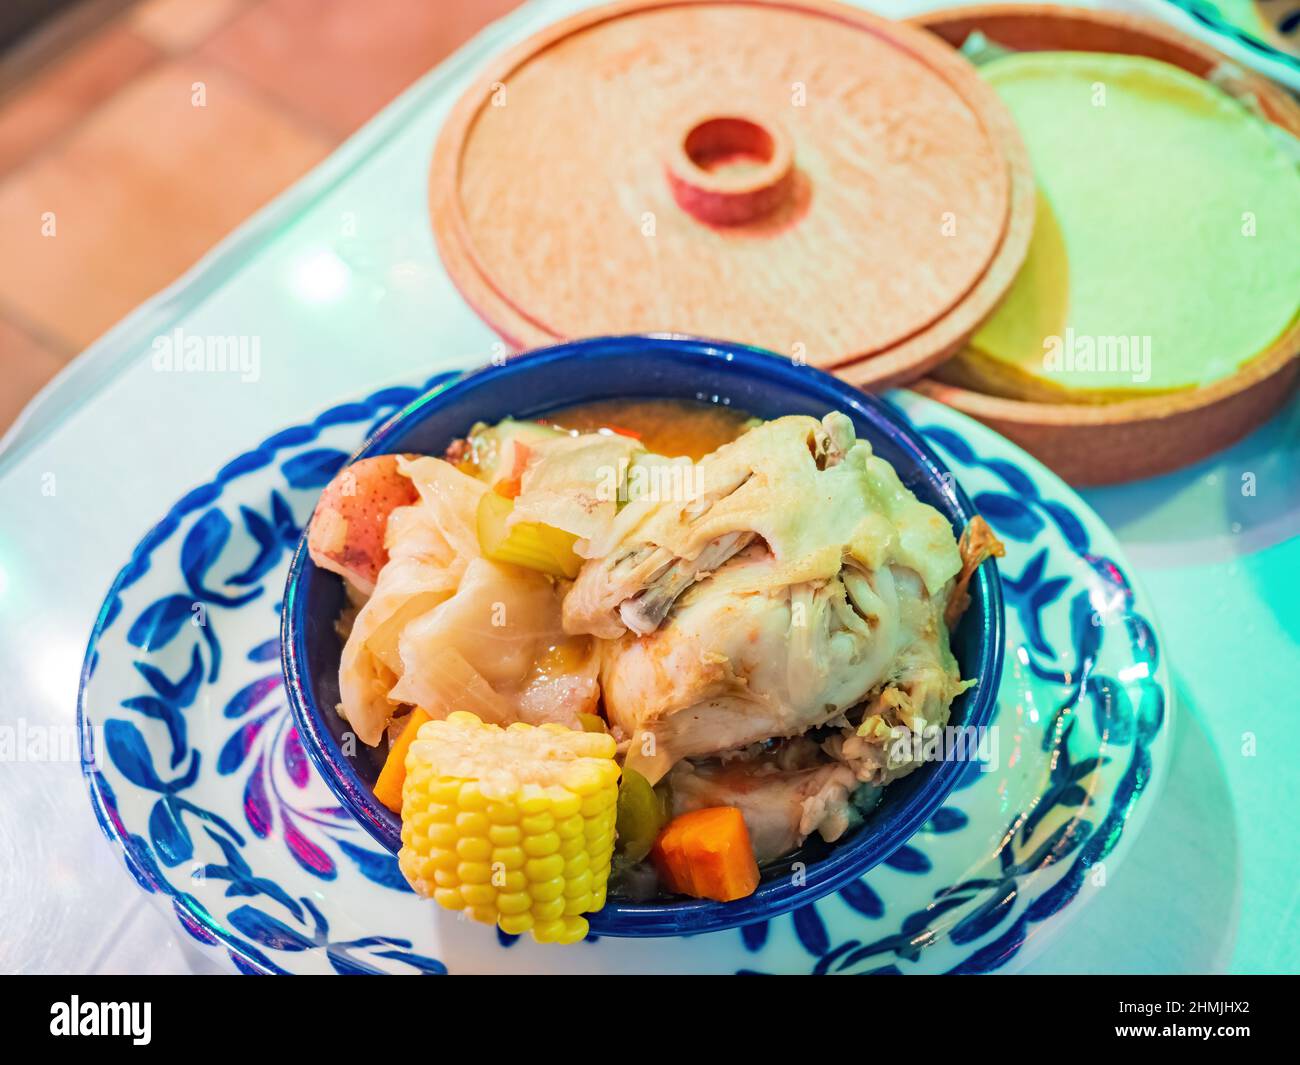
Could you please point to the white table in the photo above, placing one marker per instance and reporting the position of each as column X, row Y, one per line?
column 340, row 280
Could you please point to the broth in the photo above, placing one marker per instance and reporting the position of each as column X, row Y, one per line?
column 670, row 427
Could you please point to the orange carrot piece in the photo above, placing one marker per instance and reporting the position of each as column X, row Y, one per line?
column 388, row 788
column 670, row 860
column 707, row 854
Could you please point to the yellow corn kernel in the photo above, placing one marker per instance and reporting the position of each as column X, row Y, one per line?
column 474, row 849
column 516, row 923
column 514, row 902
column 513, row 826
column 509, row 858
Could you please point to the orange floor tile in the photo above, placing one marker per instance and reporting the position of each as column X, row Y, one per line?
column 112, row 183
column 138, row 192
column 339, row 61
column 177, row 25
column 62, row 94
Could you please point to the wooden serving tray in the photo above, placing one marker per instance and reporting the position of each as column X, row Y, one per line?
column 576, row 190
column 1123, row 441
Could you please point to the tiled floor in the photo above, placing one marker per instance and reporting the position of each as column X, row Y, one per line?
column 123, row 160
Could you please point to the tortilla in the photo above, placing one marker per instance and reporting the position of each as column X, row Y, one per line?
column 1166, row 251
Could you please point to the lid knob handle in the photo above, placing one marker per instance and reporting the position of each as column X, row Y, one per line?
column 729, row 169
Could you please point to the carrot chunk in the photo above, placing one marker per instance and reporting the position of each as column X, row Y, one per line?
column 388, row 788
column 707, row 854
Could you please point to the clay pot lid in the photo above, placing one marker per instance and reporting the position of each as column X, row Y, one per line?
column 801, row 176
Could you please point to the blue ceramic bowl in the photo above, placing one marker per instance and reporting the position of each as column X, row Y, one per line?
column 653, row 367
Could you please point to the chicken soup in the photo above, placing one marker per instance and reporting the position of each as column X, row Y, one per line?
column 644, row 647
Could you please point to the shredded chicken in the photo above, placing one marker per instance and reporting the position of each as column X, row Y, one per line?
column 977, row 544
column 643, row 613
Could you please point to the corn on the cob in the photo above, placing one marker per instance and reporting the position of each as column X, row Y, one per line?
column 515, row 826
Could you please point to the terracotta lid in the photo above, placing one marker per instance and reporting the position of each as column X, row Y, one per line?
column 802, row 176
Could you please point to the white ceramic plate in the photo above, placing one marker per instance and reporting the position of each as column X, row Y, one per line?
column 197, row 774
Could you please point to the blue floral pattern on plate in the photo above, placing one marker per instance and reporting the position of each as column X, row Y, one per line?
column 199, row 776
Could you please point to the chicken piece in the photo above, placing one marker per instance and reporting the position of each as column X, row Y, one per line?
column 643, row 612
column 901, row 717
column 633, row 577
column 346, row 534
column 807, row 489
column 590, row 484
column 745, row 658
column 844, row 569
column 782, row 806
column 636, row 590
